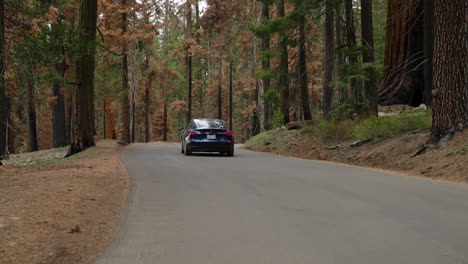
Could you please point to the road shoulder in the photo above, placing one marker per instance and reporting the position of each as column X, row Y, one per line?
column 62, row 211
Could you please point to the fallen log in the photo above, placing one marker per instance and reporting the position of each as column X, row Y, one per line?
column 298, row 124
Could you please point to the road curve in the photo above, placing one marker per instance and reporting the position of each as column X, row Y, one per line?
column 258, row 208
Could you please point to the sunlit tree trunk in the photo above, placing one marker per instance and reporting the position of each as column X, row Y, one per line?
column 231, row 126
column 450, row 101
column 220, row 91
column 82, row 127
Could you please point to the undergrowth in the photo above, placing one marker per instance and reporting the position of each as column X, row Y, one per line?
column 378, row 128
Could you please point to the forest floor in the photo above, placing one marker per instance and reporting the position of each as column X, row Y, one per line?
column 55, row 210
column 449, row 162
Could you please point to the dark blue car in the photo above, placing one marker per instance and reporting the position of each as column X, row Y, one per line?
column 207, row 135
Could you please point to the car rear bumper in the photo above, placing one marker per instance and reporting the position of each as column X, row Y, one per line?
column 210, row 146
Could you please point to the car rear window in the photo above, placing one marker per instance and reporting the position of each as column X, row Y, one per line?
column 210, row 123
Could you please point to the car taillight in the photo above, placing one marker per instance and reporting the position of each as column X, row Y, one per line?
column 193, row 133
column 227, row 133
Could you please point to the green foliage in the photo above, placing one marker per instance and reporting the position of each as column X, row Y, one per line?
column 332, row 129
column 272, row 97
column 461, row 151
column 348, row 110
column 278, row 120
column 264, row 75
column 377, row 128
column 391, row 126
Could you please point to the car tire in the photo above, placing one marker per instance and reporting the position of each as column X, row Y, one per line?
column 188, row 151
column 230, row 153
column 182, row 148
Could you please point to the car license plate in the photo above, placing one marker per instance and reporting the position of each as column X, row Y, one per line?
column 211, row 136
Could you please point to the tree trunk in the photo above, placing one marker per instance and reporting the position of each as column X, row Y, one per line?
column 283, row 82
column 255, row 119
column 370, row 85
column 110, row 119
column 189, row 62
column 428, row 49
column 356, row 94
column 4, row 98
column 329, row 60
column 82, row 127
column 266, row 67
column 59, row 133
column 165, row 121
column 125, row 105
column 230, row 98
column 147, row 108
column 32, row 120
column 220, row 90
column 403, row 81
column 450, row 101
column 340, row 59
column 302, row 69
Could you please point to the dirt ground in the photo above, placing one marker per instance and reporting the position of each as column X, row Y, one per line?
column 61, row 211
column 449, row 162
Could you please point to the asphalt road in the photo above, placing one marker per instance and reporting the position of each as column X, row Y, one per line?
column 263, row 209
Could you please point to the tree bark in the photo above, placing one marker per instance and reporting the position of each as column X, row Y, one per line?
column 230, row 98
column 368, row 57
column 220, row 90
column 32, row 120
column 4, row 98
column 283, row 82
column 59, row 129
column 428, row 49
column 189, row 62
column 147, row 109
column 125, row 105
column 255, row 119
column 82, row 127
column 340, row 59
column 356, row 94
column 403, row 81
column 266, row 67
column 450, row 101
column 302, row 69
column 329, row 65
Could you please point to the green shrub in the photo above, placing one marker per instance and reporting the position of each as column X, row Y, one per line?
column 331, row 129
column 278, row 120
column 391, row 126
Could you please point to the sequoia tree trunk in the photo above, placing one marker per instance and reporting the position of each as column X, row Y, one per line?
column 450, row 101
column 403, row 81
column 283, row 67
column 329, row 59
column 83, row 127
